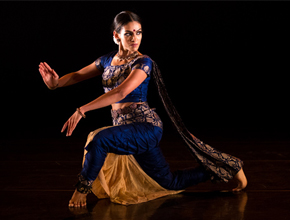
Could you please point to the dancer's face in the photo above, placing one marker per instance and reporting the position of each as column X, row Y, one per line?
column 130, row 36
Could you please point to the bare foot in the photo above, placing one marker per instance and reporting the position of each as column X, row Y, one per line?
column 78, row 200
column 240, row 177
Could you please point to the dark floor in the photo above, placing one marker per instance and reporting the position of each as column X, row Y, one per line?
column 38, row 175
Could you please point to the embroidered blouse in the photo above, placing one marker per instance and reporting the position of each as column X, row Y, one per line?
column 113, row 76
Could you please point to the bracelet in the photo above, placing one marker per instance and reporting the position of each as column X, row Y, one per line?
column 83, row 115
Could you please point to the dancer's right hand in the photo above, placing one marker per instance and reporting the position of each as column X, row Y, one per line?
column 49, row 76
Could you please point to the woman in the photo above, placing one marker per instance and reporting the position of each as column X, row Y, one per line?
column 137, row 129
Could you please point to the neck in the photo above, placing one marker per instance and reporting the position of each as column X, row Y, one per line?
column 125, row 53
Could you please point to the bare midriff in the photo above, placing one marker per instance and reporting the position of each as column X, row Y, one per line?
column 116, row 106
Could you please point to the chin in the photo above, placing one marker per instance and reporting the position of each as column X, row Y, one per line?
column 134, row 49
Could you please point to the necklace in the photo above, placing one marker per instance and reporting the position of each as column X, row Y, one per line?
column 132, row 55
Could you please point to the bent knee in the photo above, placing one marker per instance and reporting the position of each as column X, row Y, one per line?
column 99, row 142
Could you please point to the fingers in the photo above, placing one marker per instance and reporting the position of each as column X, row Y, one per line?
column 42, row 66
column 45, row 69
column 54, row 73
column 64, row 127
column 41, row 72
column 47, row 66
column 71, row 124
column 70, row 128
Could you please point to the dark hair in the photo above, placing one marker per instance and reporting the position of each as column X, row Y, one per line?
column 124, row 18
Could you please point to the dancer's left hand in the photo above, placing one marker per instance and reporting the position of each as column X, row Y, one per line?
column 71, row 123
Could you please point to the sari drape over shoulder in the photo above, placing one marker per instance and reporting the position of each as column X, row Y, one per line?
column 121, row 178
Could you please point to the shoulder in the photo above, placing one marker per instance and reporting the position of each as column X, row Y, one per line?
column 143, row 62
column 110, row 55
column 105, row 60
column 145, row 59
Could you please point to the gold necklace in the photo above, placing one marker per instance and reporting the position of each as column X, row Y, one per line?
column 130, row 56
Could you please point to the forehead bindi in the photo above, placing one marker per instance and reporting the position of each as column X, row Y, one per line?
column 134, row 30
column 132, row 26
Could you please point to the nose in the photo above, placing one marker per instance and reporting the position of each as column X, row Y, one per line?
column 133, row 37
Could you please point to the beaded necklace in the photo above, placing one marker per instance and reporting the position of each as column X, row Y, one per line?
column 130, row 56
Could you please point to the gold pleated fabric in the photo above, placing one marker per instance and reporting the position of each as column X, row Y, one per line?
column 123, row 181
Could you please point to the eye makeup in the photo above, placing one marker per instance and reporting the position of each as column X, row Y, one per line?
column 129, row 33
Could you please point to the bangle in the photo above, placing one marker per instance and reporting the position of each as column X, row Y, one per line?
column 53, row 88
column 79, row 111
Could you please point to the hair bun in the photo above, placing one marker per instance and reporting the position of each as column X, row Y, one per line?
column 124, row 18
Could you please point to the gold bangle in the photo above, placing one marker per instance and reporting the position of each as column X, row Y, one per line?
column 83, row 115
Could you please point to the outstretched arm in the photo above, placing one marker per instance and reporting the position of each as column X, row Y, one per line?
column 52, row 81
column 136, row 77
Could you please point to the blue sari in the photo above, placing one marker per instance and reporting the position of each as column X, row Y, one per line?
column 137, row 131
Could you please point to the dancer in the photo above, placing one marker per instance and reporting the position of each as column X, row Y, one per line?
column 126, row 157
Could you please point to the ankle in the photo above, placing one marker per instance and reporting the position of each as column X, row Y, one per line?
column 82, row 188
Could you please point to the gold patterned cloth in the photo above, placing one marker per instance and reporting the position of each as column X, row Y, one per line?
column 123, row 181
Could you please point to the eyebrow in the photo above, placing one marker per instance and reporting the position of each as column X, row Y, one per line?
column 132, row 31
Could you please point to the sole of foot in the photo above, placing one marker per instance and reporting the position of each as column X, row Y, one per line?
column 242, row 181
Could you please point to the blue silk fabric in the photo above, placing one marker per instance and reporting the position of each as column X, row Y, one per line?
column 220, row 166
column 137, row 131
column 113, row 76
column 141, row 140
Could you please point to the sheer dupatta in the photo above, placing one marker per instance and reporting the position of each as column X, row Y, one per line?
column 221, row 166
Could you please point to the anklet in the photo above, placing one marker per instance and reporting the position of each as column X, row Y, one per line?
column 82, row 188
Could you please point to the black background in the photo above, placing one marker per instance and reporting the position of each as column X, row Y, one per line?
column 225, row 64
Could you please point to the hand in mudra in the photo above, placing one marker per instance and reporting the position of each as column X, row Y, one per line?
column 71, row 123
column 49, row 76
